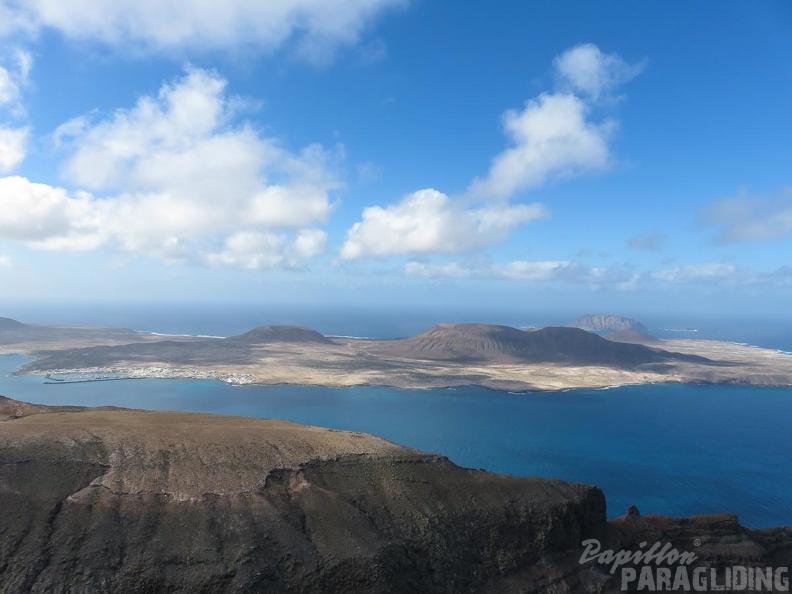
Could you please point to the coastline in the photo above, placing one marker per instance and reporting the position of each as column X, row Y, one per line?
column 128, row 373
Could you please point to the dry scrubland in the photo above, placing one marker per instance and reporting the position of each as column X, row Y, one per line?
column 446, row 355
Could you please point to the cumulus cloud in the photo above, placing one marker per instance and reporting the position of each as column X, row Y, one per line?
column 315, row 27
column 428, row 221
column 174, row 178
column 749, row 218
column 552, row 136
column 585, row 69
column 254, row 250
column 35, row 212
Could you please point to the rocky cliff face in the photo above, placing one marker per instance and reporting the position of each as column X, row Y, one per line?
column 132, row 501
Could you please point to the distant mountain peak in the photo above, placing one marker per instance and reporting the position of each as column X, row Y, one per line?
column 557, row 344
column 281, row 333
column 607, row 323
column 9, row 324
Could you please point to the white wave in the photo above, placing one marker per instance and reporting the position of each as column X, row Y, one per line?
column 353, row 337
column 178, row 335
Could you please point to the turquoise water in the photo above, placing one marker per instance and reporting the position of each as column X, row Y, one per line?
column 670, row 449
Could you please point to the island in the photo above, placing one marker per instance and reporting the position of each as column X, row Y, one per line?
column 111, row 500
column 607, row 323
column 446, row 355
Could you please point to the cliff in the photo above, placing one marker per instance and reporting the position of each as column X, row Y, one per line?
column 131, row 501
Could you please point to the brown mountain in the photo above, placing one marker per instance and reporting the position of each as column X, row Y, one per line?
column 550, row 345
column 107, row 501
column 633, row 337
column 280, row 333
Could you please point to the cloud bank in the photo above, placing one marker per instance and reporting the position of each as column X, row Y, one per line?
column 619, row 277
column 315, row 27
column 175, row 178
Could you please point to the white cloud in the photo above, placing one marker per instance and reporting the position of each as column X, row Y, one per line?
column 5, row 261
column 428, row 221
column 13, row 137
column 8, row 89
column 315, row 27
column 585, row 69
column 552, row 271
column 748, row 218
column 250, row 250
column 178, row 181
column 617, row 277
column 309, row 244
column 15, row 66
column 697, row 273
column 13, row 147
column 725, row 275
column 540, row 271
column 551, row 137
column 268, row 250
column 34, row 212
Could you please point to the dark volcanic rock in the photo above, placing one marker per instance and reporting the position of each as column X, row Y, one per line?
column 132, row 501
column 279, row 333
column 107, row 501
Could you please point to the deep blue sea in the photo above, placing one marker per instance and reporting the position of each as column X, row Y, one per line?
column 669, row 449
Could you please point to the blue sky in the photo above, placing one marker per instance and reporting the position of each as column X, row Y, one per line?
column 620, row 156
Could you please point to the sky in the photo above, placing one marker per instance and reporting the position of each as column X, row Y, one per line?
column 616, row 156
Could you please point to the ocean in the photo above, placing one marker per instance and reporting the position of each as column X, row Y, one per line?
column 667, row 448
